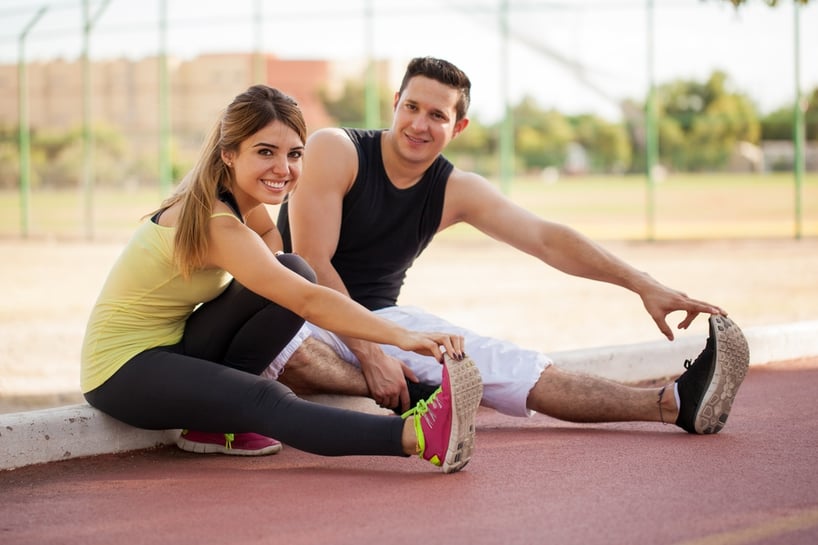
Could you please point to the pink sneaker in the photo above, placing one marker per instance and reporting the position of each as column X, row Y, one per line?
column 444, row 423
column 234, row 444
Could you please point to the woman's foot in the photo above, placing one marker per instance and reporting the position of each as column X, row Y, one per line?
column 233, row 444
column 444, row 423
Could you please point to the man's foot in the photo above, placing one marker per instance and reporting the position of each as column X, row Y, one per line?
column 444, row 423
column 417, row 392
column 709, row 386
column 234, row 444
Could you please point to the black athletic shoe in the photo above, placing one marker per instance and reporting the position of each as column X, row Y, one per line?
column 709, row 386
column 417, row 392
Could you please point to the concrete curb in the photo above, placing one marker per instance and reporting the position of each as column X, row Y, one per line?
column 62, row 433
column 635, row 362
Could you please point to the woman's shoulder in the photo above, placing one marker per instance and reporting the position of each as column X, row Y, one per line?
column 222, row 209
column 168, row 217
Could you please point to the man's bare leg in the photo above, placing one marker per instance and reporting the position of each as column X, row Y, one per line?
column 315, row 368
column 577, row 397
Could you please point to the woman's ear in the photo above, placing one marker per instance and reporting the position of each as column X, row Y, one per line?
column 227, row 157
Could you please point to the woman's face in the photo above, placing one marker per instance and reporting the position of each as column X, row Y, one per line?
column 267, row 164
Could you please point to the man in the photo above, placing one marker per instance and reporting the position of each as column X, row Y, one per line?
column 369, row 202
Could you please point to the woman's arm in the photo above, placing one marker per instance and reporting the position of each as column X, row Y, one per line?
column 243, row 253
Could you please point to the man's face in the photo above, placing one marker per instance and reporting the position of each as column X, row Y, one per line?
column 425, row 118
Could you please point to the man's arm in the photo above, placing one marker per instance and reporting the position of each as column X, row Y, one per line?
column 315, row 208
column 472, row 199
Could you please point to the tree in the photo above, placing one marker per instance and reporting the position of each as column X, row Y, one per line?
column 606, row 143
column 349, row 108
column 475, row 148
column 672, row 144
column 541, row 138
column 9, row 158
column 712, row 117
column 778, row 124
column 811, row 115
column 771, row 3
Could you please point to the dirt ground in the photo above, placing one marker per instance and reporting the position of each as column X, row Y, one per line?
column 52, row 285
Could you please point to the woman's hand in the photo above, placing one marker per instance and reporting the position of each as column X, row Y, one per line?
column 434, row 344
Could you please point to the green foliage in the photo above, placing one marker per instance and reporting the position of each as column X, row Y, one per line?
column 475, row 148
column 779, row 124
column 477, row 138
column 704, row 122
column 349, row 108
column 811, row 115
column 607, row 143
column 771, row 3
column 700, row 127
column 672, row 144
column 541, row 138
column 10, row 161
column 58, row 159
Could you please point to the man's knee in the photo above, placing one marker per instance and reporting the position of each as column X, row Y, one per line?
column 316, row 368
column 298, row 265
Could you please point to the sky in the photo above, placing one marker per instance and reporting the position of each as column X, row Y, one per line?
column 577, row 56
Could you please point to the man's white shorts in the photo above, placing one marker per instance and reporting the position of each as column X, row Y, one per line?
column 509, row 372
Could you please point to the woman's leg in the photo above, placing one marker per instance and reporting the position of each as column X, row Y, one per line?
column 164, row 389
column 242, row 329
column 245, row 331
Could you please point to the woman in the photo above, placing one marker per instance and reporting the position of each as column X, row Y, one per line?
column 199, row 303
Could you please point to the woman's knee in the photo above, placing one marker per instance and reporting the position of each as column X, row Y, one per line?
column 297, row 264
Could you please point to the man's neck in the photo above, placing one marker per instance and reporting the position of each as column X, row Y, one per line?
column 402, row 173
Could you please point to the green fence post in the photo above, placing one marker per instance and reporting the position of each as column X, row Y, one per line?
column 25, row 130
column 372, row 109
column 165, row 173
column 507, row 128
column 87, row 135
column 259, row 61
column 798, row 128
column 651, row 137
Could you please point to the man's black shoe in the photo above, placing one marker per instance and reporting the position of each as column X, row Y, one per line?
column 709, row 386
column 417, row 391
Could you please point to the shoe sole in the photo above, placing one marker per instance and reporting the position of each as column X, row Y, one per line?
column 732, row 362
column 209, row 448
column 467, row 392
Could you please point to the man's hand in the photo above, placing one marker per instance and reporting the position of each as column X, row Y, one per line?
column 660, row 301
column 386, row 378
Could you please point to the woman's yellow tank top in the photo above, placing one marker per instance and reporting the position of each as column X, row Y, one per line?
column 144, row 303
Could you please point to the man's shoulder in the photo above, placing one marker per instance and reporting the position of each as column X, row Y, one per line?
column 330, row 140
column 465, row 180
column 329, row 133
column 345, row 136
column 466, row 189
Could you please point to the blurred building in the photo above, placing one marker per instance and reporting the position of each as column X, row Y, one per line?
column 124, row 93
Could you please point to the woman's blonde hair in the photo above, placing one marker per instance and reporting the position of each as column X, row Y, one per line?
column 249, row 112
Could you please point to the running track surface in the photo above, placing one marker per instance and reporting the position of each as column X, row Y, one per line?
column 532, row 481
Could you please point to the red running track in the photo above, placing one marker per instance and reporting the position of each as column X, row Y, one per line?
column 532, row 481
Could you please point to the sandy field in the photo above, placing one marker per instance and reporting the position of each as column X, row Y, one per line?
column 52, row 285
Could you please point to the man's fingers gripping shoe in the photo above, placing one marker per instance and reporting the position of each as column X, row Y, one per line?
column 444, row 423
column 709, row 386
column 234, row 444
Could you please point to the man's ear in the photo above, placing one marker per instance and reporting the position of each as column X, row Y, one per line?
column 460, row 126
column 395, row 100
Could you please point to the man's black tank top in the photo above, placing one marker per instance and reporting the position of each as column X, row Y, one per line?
column 383, row 228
